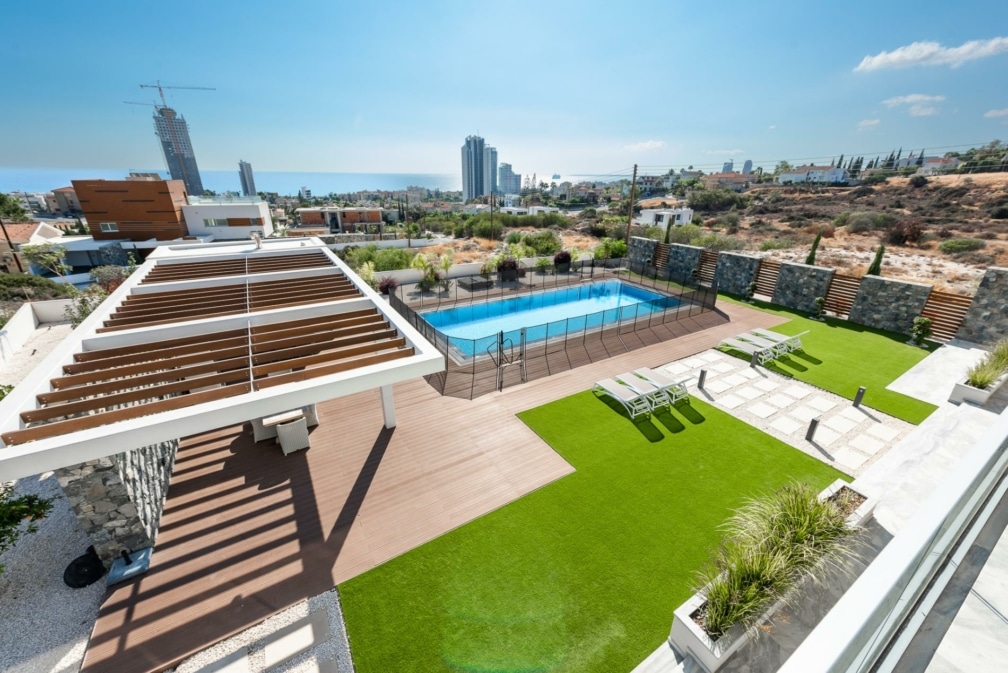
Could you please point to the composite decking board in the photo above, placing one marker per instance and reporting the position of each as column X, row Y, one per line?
column 341, row 492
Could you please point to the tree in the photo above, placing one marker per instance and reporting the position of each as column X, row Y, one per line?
column 10, row 208
column 876, row 266
column 783, row 167
column 82, row 304
column 47, row 256
column 810, row 260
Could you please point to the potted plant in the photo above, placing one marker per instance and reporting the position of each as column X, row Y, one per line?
column 984, row 378
column 508, row 269
column 750, row 291
column 562, row 261
column 387, row 284
column 543, row 265
column 772, row 545
column 920, row 330
column 820, row 309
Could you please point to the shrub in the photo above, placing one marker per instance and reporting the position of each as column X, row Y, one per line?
column 876, row 266
column 983, row 374
column 14, row 511
column 906, row 231
column 513, row 237
column 718, row 243
column 920, row 330
column 545, row 242
column 944, row 233
column 874, row 179
column 17, row 286
column 83, row 304
column 999, row 213
column 562, row 257
column 684, row 234
column 387, row 284
column 776, row 244
column 610, row 248
column 868, row 221
column 955, row 246
column 713, row 200
column 917, row 181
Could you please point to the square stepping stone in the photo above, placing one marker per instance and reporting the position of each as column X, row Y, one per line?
column 796, row 391
column 854, row 414
column 866, row 444
column 293, row 639
column 780, row 401
column 761, row 410
column 786, row 425
column 721, row 367
column 733, row 379
column 749, row 373
column 883, row 432
column 693, row 362
column 850, row 460
column 821, row 403
column 676, row 368
column 840, row 424
column 711, row 356
column 804, row 413
column 766, row 385
column 825, row 436
column 730, row 401
column 716, row 386
column 749, row 392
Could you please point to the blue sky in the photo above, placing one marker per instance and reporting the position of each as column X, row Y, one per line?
column 570, row 87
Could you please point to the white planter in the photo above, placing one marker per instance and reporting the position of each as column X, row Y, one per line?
column 963, row 392
column 688, row 637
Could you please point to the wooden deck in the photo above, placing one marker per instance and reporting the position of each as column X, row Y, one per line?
column 247, row 532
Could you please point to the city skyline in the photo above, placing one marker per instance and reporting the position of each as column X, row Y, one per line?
column 921, row 79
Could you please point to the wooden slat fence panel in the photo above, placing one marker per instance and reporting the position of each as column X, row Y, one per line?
column 766, row 277
column 708, row 264
column 947, row 312
column 841, row 294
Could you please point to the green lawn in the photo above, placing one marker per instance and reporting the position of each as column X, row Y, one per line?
column 582, row 574
column 840, row 356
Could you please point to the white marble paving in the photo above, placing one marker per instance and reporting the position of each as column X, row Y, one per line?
column 932, row 378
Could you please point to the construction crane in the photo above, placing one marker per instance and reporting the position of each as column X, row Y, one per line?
column 170, row 123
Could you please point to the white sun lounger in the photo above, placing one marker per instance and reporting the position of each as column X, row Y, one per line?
column 793, row 343
column 763, row 355
column 676, row 390
column 655, row 395
column 635, row 403
column 778, row 347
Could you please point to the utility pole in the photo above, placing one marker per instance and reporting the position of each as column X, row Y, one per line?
column 633, row 189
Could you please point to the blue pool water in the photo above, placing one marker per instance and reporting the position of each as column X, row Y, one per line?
column 473, row 328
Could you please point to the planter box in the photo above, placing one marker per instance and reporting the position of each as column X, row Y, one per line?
column 688, row 637
column 963, row 392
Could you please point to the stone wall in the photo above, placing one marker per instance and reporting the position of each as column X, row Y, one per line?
column 987, row 318
column 798, row 285
column 118, row 500
column 735, row 272
column 682, row 260
column 884, row 303
column 640, row 251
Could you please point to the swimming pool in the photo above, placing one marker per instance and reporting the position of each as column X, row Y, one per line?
column 473, row 328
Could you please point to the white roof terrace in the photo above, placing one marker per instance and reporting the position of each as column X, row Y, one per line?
column 204, row 336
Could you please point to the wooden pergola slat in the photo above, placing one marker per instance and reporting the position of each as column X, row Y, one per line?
column 132, row 370
column 336, row 354
column 333, row 368
column 113, row 353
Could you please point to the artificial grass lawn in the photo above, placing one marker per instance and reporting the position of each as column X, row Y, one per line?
column 840, row 356
column 584, row 573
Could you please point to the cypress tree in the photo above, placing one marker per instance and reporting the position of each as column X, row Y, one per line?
column 876, row 266
column 810, row 260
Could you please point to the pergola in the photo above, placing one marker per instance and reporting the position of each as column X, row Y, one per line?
column 204, row 336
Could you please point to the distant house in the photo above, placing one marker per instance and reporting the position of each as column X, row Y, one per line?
column 227, row 218
column 736, row 182
column 16, row 235
column 514, row 210
column 938, row 165
column 341, row 220
column 662, row 217
column 542, row 210
column 829, row 175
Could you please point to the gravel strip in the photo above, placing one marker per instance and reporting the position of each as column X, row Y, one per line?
column 46, row 624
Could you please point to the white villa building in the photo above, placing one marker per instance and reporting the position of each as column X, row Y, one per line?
column 830, row 175
column 662, row 217
column 228, row 218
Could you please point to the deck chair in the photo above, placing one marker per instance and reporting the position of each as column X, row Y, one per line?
column 635, row 403
column 293, row 436
column 261, row 433
column 763, row 355
column 655, row 395
column 676, row 390
column 311, row 414
column 793, row 343
column 778, row 347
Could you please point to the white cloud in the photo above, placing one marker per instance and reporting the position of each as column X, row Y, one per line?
column 647, row 146
column 933, row 53
column 994, row 114
column 912, row 99
column 773, row 127
column 922, row 110
column 866, row 124
column 726, row 153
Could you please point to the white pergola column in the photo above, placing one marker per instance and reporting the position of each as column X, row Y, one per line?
column 388, row 406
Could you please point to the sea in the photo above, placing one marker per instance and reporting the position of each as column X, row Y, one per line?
column 282, row 182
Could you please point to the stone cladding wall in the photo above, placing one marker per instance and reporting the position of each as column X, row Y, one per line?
column 640, row 251
column 118, row 499
column 885, row 303
column 798, row 285
column 987, row 318
column 735, row 272
column 682, row 260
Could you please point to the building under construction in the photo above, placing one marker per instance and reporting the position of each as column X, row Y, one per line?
column 173, row 132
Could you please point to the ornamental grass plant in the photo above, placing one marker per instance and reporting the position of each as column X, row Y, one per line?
column 771, row 544
column 983, row 374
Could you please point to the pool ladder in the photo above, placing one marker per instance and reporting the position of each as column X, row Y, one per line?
column 505, row 358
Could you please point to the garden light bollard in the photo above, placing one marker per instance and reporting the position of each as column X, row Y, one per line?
column 859, row 396
column 813, row 425
column 752, row 360
column 702, row 379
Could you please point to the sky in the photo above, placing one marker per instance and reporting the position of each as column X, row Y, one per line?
column 577, row 88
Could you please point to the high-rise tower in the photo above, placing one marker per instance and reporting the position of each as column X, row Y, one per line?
column 247, row 181
column 472, row 168
column 173, row 132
